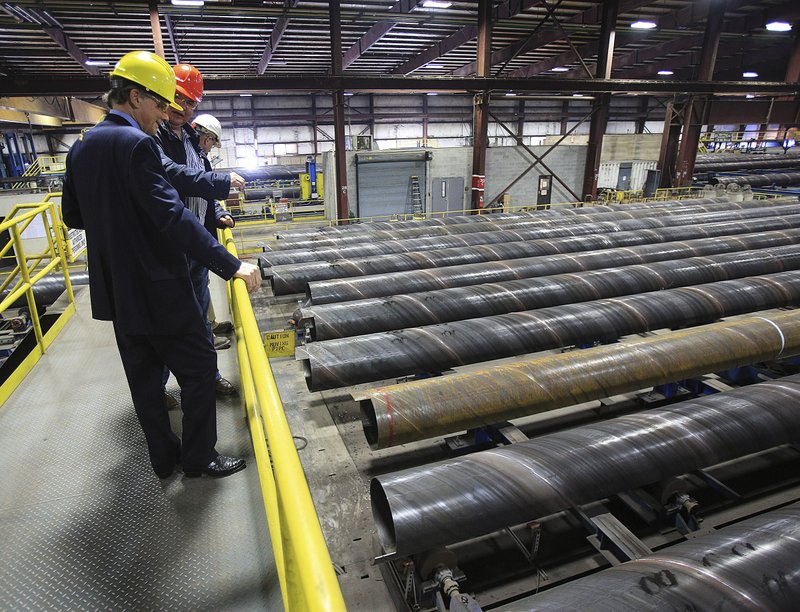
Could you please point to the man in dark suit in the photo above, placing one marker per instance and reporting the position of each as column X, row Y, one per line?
column 139, row 236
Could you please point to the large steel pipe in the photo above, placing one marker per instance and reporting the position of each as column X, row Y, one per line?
column 431, row 307
column 534, row 220
column 337, row 230
column 552, row 257
column 348, row 361
column 781, row 179
column 747, row 165
column 752, row 565
column 368, row 248
column 457, row 499
column 293, row 278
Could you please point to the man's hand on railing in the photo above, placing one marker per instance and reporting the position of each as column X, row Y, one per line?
column 250, row 274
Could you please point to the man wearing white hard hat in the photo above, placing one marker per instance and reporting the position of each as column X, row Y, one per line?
column 209, row 130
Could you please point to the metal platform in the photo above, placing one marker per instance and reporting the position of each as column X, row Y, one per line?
column 84, row 522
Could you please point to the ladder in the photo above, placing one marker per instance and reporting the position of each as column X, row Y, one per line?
column 415, row 197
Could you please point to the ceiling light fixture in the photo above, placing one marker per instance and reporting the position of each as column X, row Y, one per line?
column 750, row 96
column 665, row 72
column 96, row 63
column 436, row 4
column 560, row 69
column 577, row 95
column 433, row 93
column 643, row 25
column 750, row 75
column 510, row 93
column 348, row 93
column 779, row 26
column 434, row 65
column 245, row 95
column 190, row 3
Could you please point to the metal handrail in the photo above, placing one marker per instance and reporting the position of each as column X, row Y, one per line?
column 27, row 276
column 305, row 570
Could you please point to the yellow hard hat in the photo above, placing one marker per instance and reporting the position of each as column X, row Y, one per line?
column 151, row 72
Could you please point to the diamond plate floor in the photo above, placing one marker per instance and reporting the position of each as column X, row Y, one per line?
column 86, row 525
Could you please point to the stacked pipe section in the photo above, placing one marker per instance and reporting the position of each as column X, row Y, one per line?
column 435, row 348
column 776, row 179
column 367, row 316
column 457, row 499
column 752, row 565
column 524, row 259
column 433, row 252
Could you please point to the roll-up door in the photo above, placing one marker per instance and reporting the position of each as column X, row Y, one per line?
column 386, row 183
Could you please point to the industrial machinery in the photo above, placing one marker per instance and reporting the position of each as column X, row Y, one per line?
column 281, row 193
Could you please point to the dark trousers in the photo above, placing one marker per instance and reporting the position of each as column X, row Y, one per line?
column 192, row 359
column 198, row 274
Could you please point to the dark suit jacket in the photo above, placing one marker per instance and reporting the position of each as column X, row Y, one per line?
column 138, row 232
column 206, row 184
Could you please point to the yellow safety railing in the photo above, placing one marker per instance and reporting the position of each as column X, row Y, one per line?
column 305, row 570
column 44, row 164
column 29, row 269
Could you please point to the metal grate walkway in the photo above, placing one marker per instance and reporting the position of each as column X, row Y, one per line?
column 86, row 525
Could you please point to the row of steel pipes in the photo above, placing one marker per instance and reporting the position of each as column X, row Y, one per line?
column 420, row 298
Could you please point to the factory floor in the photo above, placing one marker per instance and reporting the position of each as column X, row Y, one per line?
column 84, row 522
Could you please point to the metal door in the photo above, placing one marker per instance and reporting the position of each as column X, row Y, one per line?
column 384, row 189
column 447, row 194
column 624, row 180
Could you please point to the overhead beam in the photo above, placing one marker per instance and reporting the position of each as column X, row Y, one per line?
column 590, row 16
column 377, row 31
column 463, row 36
column 92, row 86
column 275, row 38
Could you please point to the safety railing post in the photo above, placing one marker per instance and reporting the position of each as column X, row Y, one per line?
column 26, row 279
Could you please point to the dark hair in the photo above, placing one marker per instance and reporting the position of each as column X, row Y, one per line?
column 119, row 92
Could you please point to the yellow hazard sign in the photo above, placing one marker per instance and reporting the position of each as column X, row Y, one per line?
column 279, row 343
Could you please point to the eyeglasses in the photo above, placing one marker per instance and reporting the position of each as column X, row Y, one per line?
column 185, row 103
column 212, row 137
column 161, row 104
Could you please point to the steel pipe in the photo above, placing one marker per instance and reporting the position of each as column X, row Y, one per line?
column 780, row 179
column 752, row 565
column 293, row 278
column 367, row 248
column 453, row 500
column 747, row 165
column 392, row 226
column 431, row 307
column 551, row 257
column 435, row 348
column 301, row 249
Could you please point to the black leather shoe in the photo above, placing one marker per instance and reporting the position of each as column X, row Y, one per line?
column 224, row 387
column 219, row 468
column 164, row 472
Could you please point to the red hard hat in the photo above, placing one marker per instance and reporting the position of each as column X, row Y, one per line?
column 189, row 81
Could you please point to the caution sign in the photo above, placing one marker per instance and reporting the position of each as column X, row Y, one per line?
column 279, row 343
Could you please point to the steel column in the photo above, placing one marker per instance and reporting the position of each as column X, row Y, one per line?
column 599, row 122
column 696, row 111
column 340, row 153
column 454, row 500
column 155, row 25
column 436, row 348
column 670, row 138
column 480, row 123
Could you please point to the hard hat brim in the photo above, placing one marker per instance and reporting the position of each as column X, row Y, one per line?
column 175, row 106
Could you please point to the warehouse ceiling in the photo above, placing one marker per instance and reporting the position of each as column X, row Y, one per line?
column 530, row 38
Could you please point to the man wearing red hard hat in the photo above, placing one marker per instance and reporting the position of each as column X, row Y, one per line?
column 199, row 189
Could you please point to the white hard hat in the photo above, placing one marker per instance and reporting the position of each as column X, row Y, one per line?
column 211, row 124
